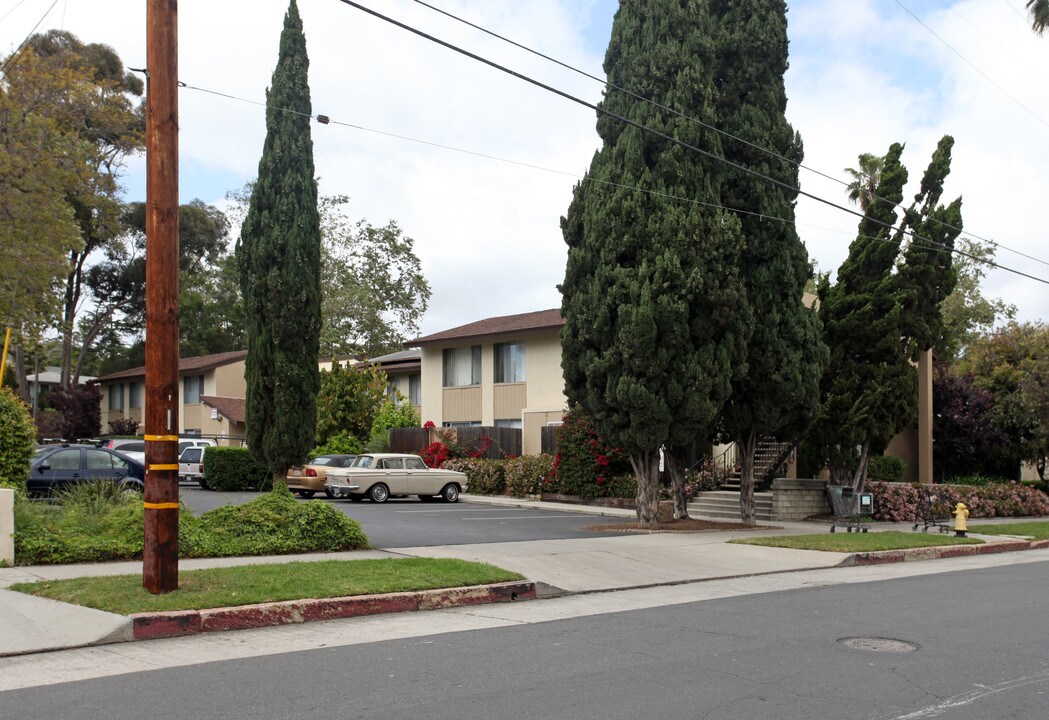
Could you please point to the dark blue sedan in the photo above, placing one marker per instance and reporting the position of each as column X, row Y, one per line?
column 59, row 466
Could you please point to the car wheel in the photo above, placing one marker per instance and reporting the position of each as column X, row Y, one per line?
column 378, row 493
column 450, row 493
column 306, row 493
column 204, row 483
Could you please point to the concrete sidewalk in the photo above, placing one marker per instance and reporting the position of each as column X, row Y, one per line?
column 29, row 624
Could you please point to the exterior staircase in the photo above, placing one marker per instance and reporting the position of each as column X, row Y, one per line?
column 724, row 505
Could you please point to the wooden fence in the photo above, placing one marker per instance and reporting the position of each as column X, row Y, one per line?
column 503, row 441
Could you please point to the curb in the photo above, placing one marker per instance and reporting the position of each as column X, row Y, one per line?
column 147, row 626
column 883, row 557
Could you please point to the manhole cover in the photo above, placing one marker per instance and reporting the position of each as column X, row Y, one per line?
column 876, row 644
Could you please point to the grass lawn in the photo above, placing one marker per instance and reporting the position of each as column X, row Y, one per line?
column 858, row 542
column 248, row 584
column 1036, row 530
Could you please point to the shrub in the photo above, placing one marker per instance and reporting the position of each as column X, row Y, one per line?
column 896, row 502
column 123, row 426
column 342, row 443
column 390, row 415
column 97, row 525
column 228, row 468
column 527, row 475
column 81, row 410
column 885, row 468
column 977, row 479
column 487, row 477
column 584, row 464
column 17, row 441
column 435, row 454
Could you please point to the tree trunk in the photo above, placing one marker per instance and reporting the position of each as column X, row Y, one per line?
column 21, row 374
column 747, row 443
column 859, row 482
column 677, row 480
column 646, row 470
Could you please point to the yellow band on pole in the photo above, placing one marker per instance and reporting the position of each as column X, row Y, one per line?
column 161, row 438
column 160, row 506
column 3, row 358
column 164, row 466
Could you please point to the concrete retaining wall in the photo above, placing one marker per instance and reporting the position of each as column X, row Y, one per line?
column 7, row 526
column 794, row 499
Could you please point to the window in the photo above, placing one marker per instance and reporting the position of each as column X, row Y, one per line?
column 462, row 366
column 116, row 396
column 509, row 362
column 414, row 463
column 415, row 383
column 192, row 389
column 134, row 395
column 99, row 460
column 509, row 423
column 473, row 423
column 392, row 464
column 64, row 460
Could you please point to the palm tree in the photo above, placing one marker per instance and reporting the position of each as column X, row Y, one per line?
column 865, row 179
column 1039, row 12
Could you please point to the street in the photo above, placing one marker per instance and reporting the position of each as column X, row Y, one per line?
column 406, row 522
column 972, row 645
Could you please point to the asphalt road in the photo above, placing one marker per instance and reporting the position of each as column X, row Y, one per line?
column 410, row 523
column 980, row 651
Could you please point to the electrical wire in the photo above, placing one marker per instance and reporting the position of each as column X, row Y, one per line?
column 17, row 53
column 697, row 121
column 668, row 138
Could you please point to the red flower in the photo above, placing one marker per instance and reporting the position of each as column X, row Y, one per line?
column 602, row 461
column 429, row 425
column 600, row 479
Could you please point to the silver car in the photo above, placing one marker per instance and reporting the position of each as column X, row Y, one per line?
column 380, row 475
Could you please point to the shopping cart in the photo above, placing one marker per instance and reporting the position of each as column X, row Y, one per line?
column 852, row 510
column 929, row 516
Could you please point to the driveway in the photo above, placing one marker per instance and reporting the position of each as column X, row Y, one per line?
column 410, row 523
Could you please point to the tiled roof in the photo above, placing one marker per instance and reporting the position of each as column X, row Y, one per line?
column 231, row 408
column 505, row 325
column 203, row 362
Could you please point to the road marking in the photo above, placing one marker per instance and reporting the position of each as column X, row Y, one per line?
column 527, row 517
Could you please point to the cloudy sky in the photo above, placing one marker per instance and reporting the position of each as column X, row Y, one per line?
column 484, row 214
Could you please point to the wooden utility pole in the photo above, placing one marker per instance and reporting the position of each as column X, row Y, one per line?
column 160, row 554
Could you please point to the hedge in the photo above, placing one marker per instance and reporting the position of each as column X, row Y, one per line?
column 898, row 502
column 486, row 477
column 231, row 468
column 17, row 441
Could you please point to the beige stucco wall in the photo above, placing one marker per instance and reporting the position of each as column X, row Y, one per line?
column 532, row 423
column 227, row 381
column 905, row 447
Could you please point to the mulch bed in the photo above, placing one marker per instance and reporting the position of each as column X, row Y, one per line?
column 681, row 526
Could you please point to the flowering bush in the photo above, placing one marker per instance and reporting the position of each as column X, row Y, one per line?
column 585, row 465
column 428, row 425
column 487, row 477
column 896, row 502
column 435, row 454
column 526, row 475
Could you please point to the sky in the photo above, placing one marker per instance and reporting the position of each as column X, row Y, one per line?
column 478, row 166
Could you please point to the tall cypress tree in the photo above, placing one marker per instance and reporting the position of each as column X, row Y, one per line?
column 279, row 258
column 655, row 314
column 883, row 310
column 779, row 394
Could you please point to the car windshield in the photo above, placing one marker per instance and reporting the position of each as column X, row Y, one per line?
column 363, row 461
column 323, row 460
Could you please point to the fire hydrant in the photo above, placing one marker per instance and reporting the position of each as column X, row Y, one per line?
column 960, row 514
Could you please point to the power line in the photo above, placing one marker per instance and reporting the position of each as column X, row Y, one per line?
column 664, row 136
column 18, row 50
column 702, row 124
column 970, row 64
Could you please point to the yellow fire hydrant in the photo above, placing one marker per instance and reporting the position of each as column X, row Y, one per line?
column 961, row 513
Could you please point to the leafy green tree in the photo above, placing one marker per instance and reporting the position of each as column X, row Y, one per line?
column 392, row 414
column 881, row 313
column 1013, row 364
column 967, row 314
column 375, row 293
column 349, row 400
column 279, row 259
column 780, row 392
column 17, row 440
column 656, row 318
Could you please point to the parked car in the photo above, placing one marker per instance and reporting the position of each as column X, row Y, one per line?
column 187, row 442
column 60, row 466
column 309, row 479
column 134, row 448
column 380, row 475
column 191, row 465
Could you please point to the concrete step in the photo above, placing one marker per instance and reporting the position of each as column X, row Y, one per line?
column 725, row 505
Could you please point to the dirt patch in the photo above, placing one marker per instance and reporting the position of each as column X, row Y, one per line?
column 687, row 526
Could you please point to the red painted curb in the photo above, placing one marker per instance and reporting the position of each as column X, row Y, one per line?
column 243, row 617
column 882, row 557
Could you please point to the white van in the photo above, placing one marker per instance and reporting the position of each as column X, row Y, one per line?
column 186, row 442
column 191, row 464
